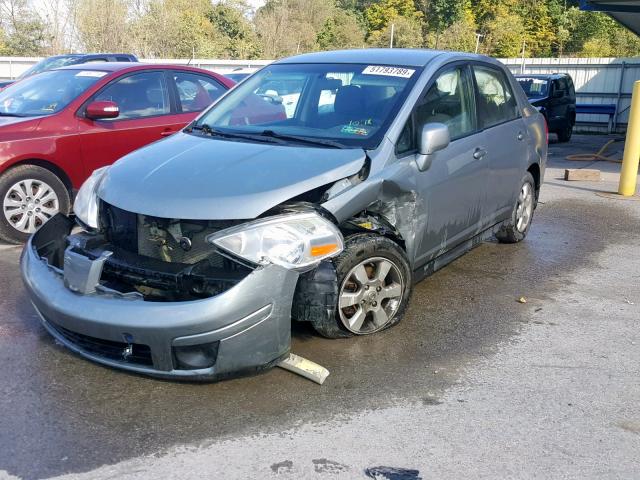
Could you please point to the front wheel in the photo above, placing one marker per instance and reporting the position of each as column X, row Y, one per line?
column 30, row 195
column 516, row 228
column 374, row 286
column 564, row 135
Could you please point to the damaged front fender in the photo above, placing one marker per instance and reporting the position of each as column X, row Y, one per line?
column 393, row 195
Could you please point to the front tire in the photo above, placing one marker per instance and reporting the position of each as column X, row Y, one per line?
column 29, row 196
column 374, row 287
column 564, row 135
column 516, row 228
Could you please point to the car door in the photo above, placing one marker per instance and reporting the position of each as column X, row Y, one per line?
column 145, row 116
column 506, row 137
column 195, row 92
column 558, row 102
column 453, row 188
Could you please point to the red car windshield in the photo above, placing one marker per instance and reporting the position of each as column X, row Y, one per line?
column 46, row 93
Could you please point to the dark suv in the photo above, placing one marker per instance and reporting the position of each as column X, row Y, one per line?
column 555, row 97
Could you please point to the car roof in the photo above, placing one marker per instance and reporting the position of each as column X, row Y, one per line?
column 385, row 56
column 117, row 66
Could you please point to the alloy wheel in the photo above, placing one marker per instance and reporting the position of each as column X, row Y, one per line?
column 29, row 203
column 524, row 209
column 370, row 295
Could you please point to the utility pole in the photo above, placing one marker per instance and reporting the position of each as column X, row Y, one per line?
column 478, row 37
column 524, row 46
column 393, row 26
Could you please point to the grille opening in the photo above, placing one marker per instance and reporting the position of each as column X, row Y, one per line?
column 165, row 259
column 119, row 351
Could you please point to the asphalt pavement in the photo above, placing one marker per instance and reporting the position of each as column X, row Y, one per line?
column 471, row 384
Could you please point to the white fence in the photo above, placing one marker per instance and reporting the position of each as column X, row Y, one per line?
column 597, row 80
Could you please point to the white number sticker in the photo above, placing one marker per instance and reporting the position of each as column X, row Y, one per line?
column 91, row 73
column 388, row 71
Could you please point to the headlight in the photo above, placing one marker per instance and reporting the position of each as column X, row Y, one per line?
column 297, row 241
column 85, row 205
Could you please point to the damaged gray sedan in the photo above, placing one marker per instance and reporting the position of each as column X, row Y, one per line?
column 319, row 189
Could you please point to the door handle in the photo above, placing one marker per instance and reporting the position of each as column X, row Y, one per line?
column 166, row 133
column 520, row 136
column 479, row 153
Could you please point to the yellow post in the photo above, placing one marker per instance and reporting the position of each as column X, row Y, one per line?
column 629, row 173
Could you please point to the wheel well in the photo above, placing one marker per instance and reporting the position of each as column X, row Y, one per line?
column 534, row 170
column 57, row 171
column 368, row 222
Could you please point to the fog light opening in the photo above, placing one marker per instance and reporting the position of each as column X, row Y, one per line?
column 196, row 357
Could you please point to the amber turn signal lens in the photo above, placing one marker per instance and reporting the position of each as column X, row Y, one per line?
column 323, row 250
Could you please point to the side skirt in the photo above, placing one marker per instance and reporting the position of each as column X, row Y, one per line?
column 449, row 256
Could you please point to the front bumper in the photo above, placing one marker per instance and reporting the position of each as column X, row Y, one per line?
column 249, row 324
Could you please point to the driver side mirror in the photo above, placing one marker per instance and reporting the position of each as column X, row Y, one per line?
column 433, row 138
column 102, row 109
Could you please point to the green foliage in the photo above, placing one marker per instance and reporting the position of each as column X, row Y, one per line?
column 240, row 39
column 341, row 30
column 379, row 14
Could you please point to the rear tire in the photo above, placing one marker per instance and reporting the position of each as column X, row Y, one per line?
column 29, row 196
column 565, row 134
column 374, row 286
column 516, row 228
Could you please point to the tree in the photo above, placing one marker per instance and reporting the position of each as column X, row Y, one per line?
column 240, row 39
column 24, row 33
column 341, row 30
column 106, row 32
column 288, row 27
column 504, row 35
column 380, row 14
column 177, row 29
column 407, row 33
column 460, row 36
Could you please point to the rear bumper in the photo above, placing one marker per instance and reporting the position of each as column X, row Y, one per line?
column 249, row 324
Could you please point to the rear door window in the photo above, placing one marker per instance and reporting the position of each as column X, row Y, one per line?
column 495, row 99
column 196, row 92
column 139, row 95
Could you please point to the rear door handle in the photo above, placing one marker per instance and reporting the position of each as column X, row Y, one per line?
column 479, row 153
column 166, row 133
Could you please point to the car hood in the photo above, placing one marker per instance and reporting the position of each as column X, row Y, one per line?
column 201, row 178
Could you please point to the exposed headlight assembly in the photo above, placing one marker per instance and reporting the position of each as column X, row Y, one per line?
column 296, row 241
column 85, row 205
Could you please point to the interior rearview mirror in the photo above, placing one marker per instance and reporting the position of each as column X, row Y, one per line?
column 432, row 138
column 102, row 109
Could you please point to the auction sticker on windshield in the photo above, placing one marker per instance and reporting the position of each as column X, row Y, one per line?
column 91, row 73
column 388, row 71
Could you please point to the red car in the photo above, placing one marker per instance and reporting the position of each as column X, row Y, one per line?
column 58, row 126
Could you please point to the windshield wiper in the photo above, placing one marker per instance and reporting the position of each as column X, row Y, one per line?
column 7, row 114
column 214, row 132
column 302, row 139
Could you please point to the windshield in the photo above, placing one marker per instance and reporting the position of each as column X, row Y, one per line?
column 49, row 64
column 46, row 93
column 348, row 105
column 534, row 87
